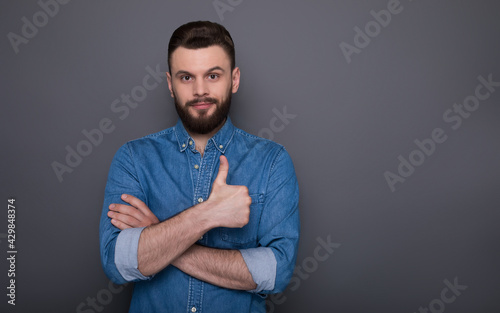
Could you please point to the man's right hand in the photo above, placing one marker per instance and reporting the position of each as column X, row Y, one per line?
column 229, row 205
column 162, row 243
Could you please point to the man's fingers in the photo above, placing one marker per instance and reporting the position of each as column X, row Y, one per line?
column 125, row 218
column 137, row 214
column 141, row 206
column 126, row 210
column 223, row 169
column 119, row 225
column 132, row 200
column 138, row 204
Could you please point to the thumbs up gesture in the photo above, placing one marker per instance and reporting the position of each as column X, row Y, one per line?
column 230, row 204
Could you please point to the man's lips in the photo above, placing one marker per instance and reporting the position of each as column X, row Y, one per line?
column 202, row 105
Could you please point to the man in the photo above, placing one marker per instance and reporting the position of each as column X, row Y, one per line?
column 203, row 216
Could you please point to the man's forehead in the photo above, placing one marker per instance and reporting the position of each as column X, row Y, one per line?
column 199, row 60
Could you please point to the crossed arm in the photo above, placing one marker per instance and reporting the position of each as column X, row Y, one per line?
column 172, row 242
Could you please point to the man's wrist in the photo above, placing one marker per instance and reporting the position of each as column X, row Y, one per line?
column 202, row 214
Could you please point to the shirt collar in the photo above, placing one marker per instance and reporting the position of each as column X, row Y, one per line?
column 221, row 139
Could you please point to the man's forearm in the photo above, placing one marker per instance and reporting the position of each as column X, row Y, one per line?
column 161, row 243
column 223, row 268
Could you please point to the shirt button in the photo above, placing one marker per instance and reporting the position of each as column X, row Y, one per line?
column 183, row 145
column 193, row 309
column 190, row 143
column 221, row 146
column 201, row 238
column 200, row 200
column 196, row 166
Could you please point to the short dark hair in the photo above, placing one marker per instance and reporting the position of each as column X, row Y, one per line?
column 201, row 34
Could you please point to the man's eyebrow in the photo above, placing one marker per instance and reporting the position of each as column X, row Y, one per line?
column 215, row 68
column 183, row 73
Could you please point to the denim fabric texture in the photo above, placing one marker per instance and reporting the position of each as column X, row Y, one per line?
column 167, row 173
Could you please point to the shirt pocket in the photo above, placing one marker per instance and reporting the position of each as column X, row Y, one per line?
column 245, row 237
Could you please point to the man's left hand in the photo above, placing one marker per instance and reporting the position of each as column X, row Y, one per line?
column 137, row 214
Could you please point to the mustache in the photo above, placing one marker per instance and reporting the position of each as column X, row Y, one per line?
column 202, row 99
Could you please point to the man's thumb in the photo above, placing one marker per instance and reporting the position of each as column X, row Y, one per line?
column 223, row 169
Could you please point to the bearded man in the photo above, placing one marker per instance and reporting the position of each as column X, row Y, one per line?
column 202, row 216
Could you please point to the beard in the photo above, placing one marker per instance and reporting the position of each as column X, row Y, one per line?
column 204, row 123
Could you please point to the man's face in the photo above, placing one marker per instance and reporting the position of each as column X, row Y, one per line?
column 201, row 83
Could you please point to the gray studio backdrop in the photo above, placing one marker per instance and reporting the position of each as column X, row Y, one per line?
column 389, row 109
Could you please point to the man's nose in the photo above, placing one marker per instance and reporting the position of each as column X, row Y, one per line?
column 200, row 88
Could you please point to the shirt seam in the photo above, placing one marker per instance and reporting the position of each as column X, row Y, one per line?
column 271, row 168
column 135, row 172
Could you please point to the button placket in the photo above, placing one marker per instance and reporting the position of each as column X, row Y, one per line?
column 203, row 171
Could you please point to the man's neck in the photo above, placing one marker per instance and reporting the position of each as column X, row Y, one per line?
column 201, row 140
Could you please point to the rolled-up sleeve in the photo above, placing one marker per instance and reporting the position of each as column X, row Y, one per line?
column 261, row 264
column 126, row 254
column 119, row 248
column 279, row 229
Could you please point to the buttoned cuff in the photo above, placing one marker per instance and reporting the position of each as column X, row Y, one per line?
column 261, row 264
column 126, row 254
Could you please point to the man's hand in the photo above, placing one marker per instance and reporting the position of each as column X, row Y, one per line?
column 137, row 214
column 173, row 239
column 230, row 205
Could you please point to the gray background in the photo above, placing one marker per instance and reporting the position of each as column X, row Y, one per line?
column 353, row 120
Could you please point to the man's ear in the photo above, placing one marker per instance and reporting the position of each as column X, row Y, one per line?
column 169, row 81
column 236, row 79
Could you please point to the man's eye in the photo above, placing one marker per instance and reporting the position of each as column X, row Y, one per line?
column 185, row 78
column 213, row 76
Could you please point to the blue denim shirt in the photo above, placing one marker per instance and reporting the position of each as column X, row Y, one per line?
column 166, row 172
